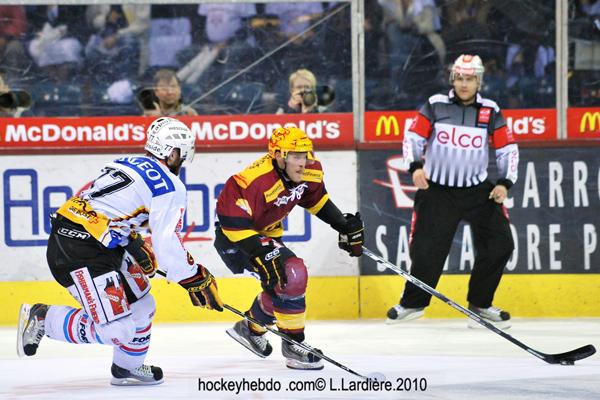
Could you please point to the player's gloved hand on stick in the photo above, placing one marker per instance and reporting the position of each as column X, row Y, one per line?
column 267, row 262
column 143, row 254
column 202, row 288
column 352, row 235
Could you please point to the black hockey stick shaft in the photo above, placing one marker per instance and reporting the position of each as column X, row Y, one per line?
column 562, row 358
column 285, row 337
column 292, row 341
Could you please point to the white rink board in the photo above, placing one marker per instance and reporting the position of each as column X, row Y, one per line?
column 33, row 185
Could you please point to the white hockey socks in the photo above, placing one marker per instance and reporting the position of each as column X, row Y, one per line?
column 71, row 325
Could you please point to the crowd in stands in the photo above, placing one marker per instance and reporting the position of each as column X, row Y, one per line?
column 420, row 38
column 236, row 58
column 227, row 58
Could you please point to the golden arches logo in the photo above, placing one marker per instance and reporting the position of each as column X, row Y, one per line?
column 389, row 124
column 590, row 122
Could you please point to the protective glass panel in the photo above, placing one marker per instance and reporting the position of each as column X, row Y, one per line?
column 584, row 53
column 133, row 59
column 410, row 45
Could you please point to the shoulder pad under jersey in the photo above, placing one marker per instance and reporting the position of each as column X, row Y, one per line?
column 256, row 169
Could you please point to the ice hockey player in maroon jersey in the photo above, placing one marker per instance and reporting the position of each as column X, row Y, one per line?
column 250, row 211
column 451, row 174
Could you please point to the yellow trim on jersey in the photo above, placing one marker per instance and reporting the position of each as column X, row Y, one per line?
column 80, row 212
column 273, row 230
column 244, row 205
column 135, row 213
column 236, row 236
column 317, row 207
column 255, row 170
column 312, row 175
column 290, row 321
column 274, row 191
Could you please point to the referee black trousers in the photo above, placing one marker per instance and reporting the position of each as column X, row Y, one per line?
column 437, row 213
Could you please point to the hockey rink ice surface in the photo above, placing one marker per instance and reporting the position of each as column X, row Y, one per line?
column 456, row 363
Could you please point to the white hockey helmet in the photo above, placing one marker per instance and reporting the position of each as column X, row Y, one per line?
column 467, row 64
column 166, row 134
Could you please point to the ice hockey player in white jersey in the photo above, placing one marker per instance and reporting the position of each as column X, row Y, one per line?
column 97, row 253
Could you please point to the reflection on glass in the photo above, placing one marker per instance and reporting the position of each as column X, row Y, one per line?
column 225, row 58
column 411, row 43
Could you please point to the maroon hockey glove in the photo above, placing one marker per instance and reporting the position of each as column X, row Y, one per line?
column 143, row 254
column 203, row 290
column 267, row 262
column 352, row 236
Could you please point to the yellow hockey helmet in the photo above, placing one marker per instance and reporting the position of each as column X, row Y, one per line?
column 290, row 139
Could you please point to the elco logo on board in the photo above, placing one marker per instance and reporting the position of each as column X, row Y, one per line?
column 389, row 125
column 590, row 122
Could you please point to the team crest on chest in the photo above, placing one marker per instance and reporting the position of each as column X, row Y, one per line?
column 295, row 194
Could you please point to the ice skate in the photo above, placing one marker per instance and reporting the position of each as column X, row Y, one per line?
column 143, row 375
column 400, row 314
column 299, row 358
column 31, row 328
column 497, row 317
column 258, row 344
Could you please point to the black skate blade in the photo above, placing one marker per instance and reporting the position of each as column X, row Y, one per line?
column 569, row 357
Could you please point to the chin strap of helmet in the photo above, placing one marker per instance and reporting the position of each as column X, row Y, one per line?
column 282, row 172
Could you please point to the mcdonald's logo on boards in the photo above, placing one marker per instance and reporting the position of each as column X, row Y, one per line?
column 590, row 122
column 389, row 125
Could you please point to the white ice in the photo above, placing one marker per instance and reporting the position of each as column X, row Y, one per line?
column 456, row 362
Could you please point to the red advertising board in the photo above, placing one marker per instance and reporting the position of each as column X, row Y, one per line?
column 529, row 124
column 328, row 131
column 583, row 123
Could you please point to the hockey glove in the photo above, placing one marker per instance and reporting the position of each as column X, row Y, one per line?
column 267, row 262
column 352, row 236
column 143, row 254
column 202, row 288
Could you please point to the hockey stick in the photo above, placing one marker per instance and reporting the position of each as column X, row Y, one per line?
column 377, row 376
column 567, row 358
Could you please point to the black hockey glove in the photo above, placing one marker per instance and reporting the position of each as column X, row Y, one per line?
column 352, row 235
column 267, row 262
column 142, row 253
column 203, row 290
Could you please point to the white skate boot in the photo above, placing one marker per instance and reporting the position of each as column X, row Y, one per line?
column 140, row 376
column 497, row 317
column 258, row 344
column 299, row 358
column 31, row 328
column 400, row 314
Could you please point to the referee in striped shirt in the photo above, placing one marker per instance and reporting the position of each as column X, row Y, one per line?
column 447, row 149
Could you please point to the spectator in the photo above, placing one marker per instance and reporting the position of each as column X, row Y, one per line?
column 59, row 32
column 13, row 25
column 409, row 25
column 170, row 33
column 13, row 103
column 293, row 19
column 530, row 72
column 467, row 25
column 111, row 56
column 138, row 21
column 225, row 44
column 303, row 94
column 166, row 97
